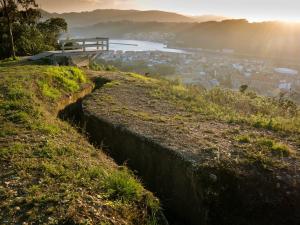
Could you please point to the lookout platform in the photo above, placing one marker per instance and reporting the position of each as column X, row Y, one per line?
column 78, row 52
column 90, row 47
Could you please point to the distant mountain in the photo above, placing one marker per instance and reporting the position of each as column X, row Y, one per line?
column 80, row 19
column 267, row 39
column 206, row 18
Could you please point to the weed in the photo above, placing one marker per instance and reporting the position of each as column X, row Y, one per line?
column 50, row 92
column 19, row 117
column 10, row 59
column 100, row 67
column 229, row 106
column 141, row 77
column 112, row 84
column 69, row 77
column 64, row 151
column 277, row 148
column 7, row 152
column 47, row 128
column 121, row 185
column 7, row 131
column 16, row 93
column 44, row 152
column 265, row 142
column 95, row 172
column 96, row 67
column 281, row 150
column 52, row 169
column 243, row 139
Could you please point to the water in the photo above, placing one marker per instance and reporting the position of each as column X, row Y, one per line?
column 138, row 46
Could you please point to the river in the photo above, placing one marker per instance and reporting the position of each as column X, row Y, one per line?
column 138, row 46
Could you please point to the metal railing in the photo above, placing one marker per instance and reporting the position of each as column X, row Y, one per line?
column 99, row 43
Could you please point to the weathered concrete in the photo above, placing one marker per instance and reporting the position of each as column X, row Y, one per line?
column 163, row 171
column 72, row 57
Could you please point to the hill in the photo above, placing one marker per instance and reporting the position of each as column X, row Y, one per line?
column 80, row 19
column 49, row 173
column 214, row 157
column 206, row 18
column 267, row 39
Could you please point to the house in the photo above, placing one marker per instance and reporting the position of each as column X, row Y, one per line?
column 283, row 85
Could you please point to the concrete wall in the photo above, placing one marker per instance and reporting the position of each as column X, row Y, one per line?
column 164, row 172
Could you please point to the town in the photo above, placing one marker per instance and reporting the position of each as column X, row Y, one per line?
column 209, row 69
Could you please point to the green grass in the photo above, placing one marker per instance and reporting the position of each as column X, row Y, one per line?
column 243, row 139
column 50, row 92
column 56, row 173
column 121, row 185
column 230, row 106
column 265, row 146
column 9, row 60
column 275, row 147
column 13, row 149
column 100, row 67
column 112, row 84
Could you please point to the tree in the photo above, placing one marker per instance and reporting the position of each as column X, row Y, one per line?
column 51, row 28
column 22, row 32
column 8, row 8
column 18, row 11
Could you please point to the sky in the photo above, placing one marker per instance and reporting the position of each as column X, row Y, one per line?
column 253, row 10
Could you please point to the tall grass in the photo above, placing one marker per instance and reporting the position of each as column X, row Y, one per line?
column 233, row 107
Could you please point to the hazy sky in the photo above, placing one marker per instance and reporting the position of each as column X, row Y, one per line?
column 254, row 10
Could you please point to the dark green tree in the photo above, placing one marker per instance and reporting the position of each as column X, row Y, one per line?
column 51, row 29
column 14, row 11
column 23, row 33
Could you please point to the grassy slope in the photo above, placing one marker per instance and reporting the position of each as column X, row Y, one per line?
column 251, row 143
column 267, row 128
column 49, row 173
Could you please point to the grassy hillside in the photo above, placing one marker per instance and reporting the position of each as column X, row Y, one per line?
column 241, row 144
column 244, row 148
column 269, row 129
column 78, row 19
column 266, row 39
column 50, row 174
